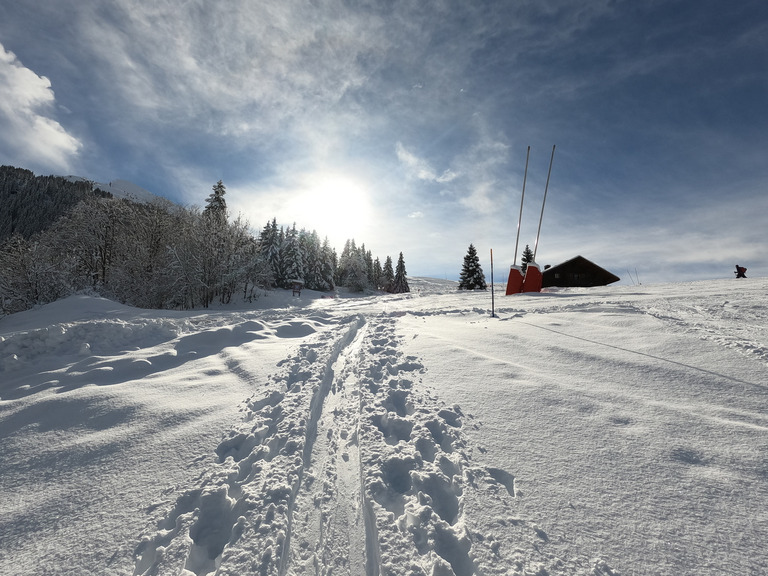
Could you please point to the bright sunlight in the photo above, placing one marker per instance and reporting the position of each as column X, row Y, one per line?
column 334, row 205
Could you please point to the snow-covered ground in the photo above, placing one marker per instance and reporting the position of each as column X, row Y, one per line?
column 619, row 430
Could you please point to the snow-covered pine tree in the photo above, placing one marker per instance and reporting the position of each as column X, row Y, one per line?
column 471, row 276
column 401, row 283
column 377, row 274
column 368, row 259
column 310, row 250
column 292, row 258
column 269, row 247
column 280, row 262
column 526, row 257
column 215, row 203
column 387, row 275
column 348, row 254
column 327, row 266
column 356, row 273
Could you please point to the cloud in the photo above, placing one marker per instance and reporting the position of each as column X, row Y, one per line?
column 28, row 133
column 244, row 69
column 415, row 167
column 481, row 198
column 447, row 176
column 420, row 168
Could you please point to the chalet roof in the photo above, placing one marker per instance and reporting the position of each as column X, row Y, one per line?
column 578, row 271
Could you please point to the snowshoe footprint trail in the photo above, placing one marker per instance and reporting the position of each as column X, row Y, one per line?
column 413, row 455
column 343, row 465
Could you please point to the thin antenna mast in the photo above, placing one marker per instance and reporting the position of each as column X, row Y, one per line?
column 546, row 187
column 522, row 197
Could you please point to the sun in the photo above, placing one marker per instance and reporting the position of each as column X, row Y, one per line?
column 334, row 205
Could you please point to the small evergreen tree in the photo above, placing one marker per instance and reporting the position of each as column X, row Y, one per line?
column 401, row 283
column 377, row 274
column 387, row 275
column 526, row 258
column 472, row 277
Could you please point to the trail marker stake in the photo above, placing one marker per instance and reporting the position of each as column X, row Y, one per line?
column 493, row 304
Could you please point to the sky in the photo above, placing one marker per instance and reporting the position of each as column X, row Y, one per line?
column 405, row 125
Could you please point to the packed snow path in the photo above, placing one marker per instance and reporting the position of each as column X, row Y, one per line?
column 604, row 431
column 340, row 467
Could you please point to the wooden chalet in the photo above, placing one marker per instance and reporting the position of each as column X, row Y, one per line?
column 577, row 271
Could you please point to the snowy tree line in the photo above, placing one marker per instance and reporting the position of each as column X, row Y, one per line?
column 159, row 255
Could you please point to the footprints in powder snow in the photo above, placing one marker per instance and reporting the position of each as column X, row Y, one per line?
column 342, row 466
column 414, row 458
column 437, row 514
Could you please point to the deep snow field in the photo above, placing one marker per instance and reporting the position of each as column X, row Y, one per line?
column 617, row 430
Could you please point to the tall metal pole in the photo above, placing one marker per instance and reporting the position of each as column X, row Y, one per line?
column 522, row 197
column 493, row 303
column 546, row 187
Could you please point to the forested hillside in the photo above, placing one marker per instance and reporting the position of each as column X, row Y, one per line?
column 33, row 203
column 61, row 237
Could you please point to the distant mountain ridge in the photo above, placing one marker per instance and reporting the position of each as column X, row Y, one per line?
column 120, row 189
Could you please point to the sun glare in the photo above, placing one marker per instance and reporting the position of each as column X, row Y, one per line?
column 335, row 206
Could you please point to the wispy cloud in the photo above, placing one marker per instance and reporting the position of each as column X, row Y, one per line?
column 246, row 69
column 29, row 134
column 419, row 168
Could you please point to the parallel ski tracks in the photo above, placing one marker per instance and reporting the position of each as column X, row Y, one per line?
column 328, row 530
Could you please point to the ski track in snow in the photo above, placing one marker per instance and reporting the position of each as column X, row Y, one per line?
column 342, row 467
